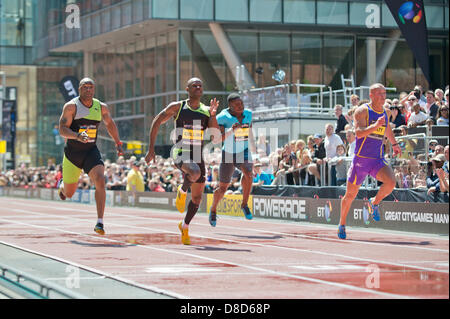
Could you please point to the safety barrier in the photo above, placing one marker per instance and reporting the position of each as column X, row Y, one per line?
column 32, row 287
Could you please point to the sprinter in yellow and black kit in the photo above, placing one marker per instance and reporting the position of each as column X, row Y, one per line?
column 191, row 118
column 79, row 124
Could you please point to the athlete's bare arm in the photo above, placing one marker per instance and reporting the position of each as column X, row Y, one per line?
column 165, row 115
column 65, row 121
column 390, row 136
column 111, row 127
column 361, row 128
column 212, row 122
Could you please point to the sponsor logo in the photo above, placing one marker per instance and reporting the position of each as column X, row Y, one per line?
column 410, row 10
column 229, row 205
column 280, row 208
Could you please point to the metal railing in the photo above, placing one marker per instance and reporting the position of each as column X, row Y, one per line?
column 32, row 287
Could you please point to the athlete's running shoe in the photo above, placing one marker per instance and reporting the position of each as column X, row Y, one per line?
column 99, row 229
column 341, row 232
column 212, row 218
column 180, row 202
column 247, row 212
column 184, row 234
column 374, row 210
column 60, row 191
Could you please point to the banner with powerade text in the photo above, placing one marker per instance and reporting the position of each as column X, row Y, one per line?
column 410, row 17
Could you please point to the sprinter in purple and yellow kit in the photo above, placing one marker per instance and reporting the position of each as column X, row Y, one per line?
column 371, row 127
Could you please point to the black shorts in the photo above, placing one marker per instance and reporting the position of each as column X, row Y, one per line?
column 201, row 179
column 84, row 159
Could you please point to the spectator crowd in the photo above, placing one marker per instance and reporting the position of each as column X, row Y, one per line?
column 319, row 159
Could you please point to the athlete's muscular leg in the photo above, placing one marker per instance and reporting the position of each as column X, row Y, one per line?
column 70, row 189
column 218, row 195
column 246, row 182
column 192, row 173
column 347, row 200
column 97, row 176
column 196, row 192
column 387, row 177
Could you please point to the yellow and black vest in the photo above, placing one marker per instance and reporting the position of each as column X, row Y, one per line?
column 86, row 119
column 190, row 126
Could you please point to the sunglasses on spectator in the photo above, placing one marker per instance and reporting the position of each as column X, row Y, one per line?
column 433, row 144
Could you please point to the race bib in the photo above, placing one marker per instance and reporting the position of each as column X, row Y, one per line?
column 192, row 136
column 91, row 131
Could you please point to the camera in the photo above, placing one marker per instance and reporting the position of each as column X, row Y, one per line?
column 417, row 94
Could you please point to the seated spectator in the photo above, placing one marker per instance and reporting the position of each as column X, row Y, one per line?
column 155, row 186
column 443, row 116
column 446, row 164
column 341, row 121
column 417, row 117
column 339, row 162
column 431, row 108
column 439, row 97
column 259, row 177
column 397, row 117
column 317, row 157
column 433, row 181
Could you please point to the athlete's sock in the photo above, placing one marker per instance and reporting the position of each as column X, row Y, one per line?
column 191, row 211
column 100, row 220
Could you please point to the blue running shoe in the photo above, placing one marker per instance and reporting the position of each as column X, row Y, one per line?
column 374, row 210
column 247, row 212
column 341, row 232
column 212, row 219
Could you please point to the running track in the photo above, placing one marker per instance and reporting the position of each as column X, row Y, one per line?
column 255, row 259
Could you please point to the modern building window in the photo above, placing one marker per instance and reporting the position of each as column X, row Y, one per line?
column 306, row 59
column 209, row 64
column 299, row 11
column 265, row 10
column 246, row 45
column 434, row 16
column 197, row 10
column 185, row 57
column 231, row 10
column 165, row 9
column 338, row 58
column 115, row 18
column 273, row 55
column 332, row 12
column 387, row 19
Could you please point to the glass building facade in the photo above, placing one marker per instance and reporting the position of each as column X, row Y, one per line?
column 142, row 52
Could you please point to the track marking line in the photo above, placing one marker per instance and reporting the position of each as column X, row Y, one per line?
column 372, row 261
column 262, row 270
column 271, row 232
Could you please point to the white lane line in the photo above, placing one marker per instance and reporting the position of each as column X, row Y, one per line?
column 266, row 231
column 262, row 270
column 96, row 271
column 372, row 261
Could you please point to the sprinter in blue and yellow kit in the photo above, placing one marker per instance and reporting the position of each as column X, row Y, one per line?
column 235, row 125
column 371, row 128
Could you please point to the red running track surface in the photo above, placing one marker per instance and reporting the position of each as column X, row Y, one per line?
column 255, row 259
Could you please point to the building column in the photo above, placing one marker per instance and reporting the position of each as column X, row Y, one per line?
column 381, row 58
column 241, row 74
column 371, row 62
column 88, row 64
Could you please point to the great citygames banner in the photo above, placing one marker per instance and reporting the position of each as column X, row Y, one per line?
column 410, row 17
